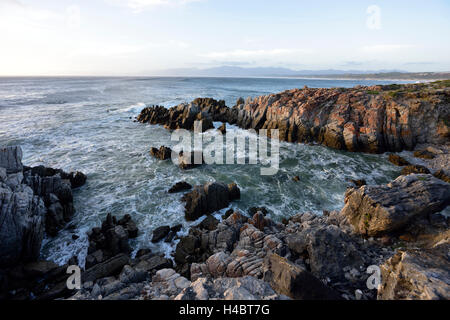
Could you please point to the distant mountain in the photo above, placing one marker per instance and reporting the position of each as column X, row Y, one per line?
column 233, row 71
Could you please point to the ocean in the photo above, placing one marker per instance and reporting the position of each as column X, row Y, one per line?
column 86, row 124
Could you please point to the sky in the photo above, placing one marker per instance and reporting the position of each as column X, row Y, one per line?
column 142, row 37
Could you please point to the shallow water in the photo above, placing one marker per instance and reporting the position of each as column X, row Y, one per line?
column 86, row 124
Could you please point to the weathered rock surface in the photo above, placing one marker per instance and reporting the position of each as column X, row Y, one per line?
column 417, row 274
column 372, row 119
column 163, row 153
column 22, row 225
column 294, row 281
column 110, row 240
column 179, row 187
column 182, row 116
column 209, row 198
column 377, row 210
column 11, row 159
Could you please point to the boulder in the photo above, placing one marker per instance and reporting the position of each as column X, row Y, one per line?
column 160, row 233
column 417, row 275
column 295, row 282
column 179, row 187
column 397, row 160
column 110, row 267
column 22, row 225
column 208, row 198
column 11, row 159
column 382, row 209
column 163, row 153
column 414, row 169
column 209, row 223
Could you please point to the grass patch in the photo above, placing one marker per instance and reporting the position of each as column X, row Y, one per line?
column 372, row 92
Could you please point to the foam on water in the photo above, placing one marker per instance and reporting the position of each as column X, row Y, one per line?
column 84, row 124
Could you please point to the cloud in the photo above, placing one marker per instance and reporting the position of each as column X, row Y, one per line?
column 385, row 48
column 141, row 5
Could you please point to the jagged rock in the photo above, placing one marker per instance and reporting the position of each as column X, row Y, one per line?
column 129, row 275
column 209, row 223
column 358, row 183
column 163, row 153
column 160, row 233
column 414, row 169
column 417, row 275
column 328, row 249
column 398, row 161
column 111, row 239
column 295, row 282
column 252, row 211
column 22, row 226
column 152, row 263
column 245, row 288
column 208, row 198
column 107, row 268
column 424, row 154
column 223, row 128
column 179, row 117
column 441, row 174
column 77, row 179
column 180, row 186
column 379, row 210
column 11, row 159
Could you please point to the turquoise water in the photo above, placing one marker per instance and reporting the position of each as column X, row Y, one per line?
column 84, row 124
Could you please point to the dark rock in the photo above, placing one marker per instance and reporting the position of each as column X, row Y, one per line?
column 107, row 268
column 358, row 183
column 424, row 154
column 417, row 275
column 397, row 160
column 176, row 228
column 160, row 233
column 153, row 263
column 11, row 159
column 163, row 153
column 185, row 248
column 380, row 210
column 77, row 179
column 441, row 174
column 180, row 186
column 295, row 282
column 209, row 223
column 143, row 252
column 252, row 211
column 208, row 198
column 414, row 169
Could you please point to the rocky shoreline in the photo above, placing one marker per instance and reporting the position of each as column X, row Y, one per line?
column 396, row 228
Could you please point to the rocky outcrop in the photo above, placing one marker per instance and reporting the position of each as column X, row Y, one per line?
column 182, row 116
column 417, row 275
column 163, row 153
column 294, row 281
column 378, row 210
column 372, row 119
column 169, row 285
column 110, row 240
column 209, row 198
column 11, row 159
column 22, row 216
column 32, row 200
column 179, row 187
